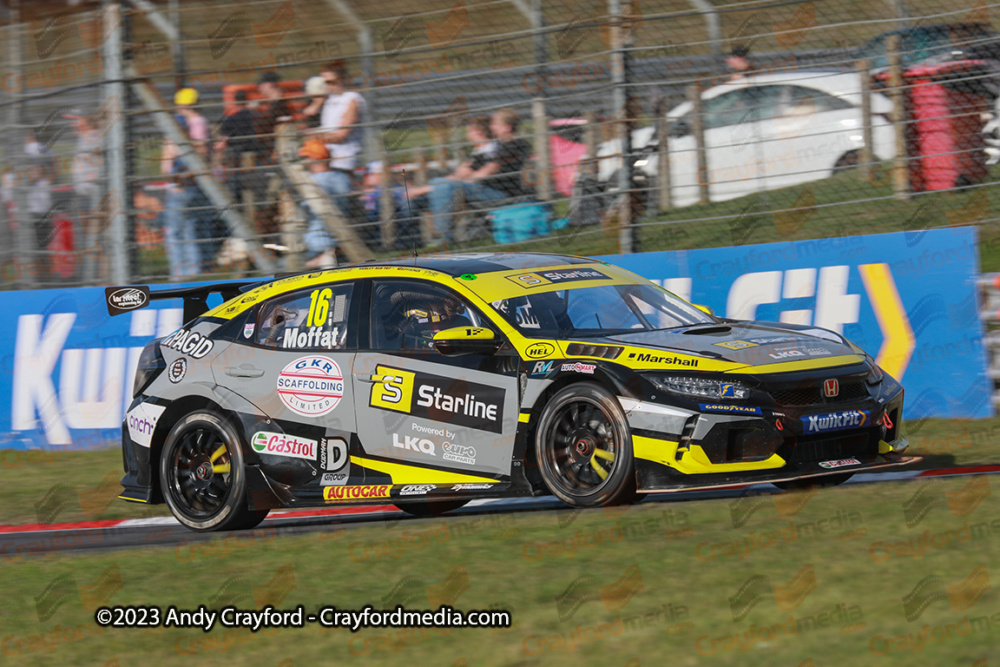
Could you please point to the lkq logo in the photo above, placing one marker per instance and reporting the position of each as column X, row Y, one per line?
column 414, row 443
column 281, row 444
column 438, row 398
column 836, row 421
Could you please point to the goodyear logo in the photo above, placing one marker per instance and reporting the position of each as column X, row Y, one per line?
column 835, row 421
column 730, row 409
column 438, row 398
column 643, row 357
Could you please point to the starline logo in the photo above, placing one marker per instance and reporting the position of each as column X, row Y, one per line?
column 281, row 444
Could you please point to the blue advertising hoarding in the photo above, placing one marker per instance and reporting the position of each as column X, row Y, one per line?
column 907, row 298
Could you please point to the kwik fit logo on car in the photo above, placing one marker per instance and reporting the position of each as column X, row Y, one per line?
column 267, row 442
column 835, row 421
column 311, row 386
column 438, row 398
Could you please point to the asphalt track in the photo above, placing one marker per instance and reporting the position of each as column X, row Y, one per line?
column 41, row 540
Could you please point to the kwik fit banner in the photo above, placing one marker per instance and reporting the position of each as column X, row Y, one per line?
column 908, row 298
column 68, row 368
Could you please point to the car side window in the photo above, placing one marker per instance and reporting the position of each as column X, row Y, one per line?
column 314, row 319
column 747, row 105
column 801, row 101
column 406, row 314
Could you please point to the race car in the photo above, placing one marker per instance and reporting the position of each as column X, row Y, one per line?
column 428, row 382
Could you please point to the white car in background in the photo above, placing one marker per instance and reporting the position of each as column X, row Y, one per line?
column 762, row 132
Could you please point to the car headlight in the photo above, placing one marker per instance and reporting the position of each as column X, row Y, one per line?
column 875, row 375
column 701, row 387
column 150, row 365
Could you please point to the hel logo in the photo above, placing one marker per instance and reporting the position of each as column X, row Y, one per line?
column 355, row 492
column 539, row 350
column 831, row 388
column 311, row 386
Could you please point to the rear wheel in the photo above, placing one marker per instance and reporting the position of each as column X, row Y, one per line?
column 424, row 508
column 584, row 449
column 202, row 475
column 810, row 482
column 848, row 160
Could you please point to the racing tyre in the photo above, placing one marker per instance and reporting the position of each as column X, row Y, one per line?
column 425, row 508
column 584, row 449
column 810, row 482
column 848, row 160
column 202, row 475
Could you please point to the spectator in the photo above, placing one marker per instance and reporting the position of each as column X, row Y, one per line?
column 40, row 175
column 238, row 135
column 316, row 89
column 274, row 113
column 484, row 151
column 340, row 125
column 86, row 187
column 189, row 232
column 496, row 180
column 319, row 243
column 408, row 234
column 739, row 63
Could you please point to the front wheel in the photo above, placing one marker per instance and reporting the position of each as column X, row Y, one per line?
column 584, row 449
column 202, row 475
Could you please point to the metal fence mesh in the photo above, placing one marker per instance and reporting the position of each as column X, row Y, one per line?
column 170, row 140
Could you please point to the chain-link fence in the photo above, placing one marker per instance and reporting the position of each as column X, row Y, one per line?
column 148, row 141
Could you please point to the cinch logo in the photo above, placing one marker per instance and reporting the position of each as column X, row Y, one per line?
column 438, row 398
column 835, row 421
column 355, row 492
column 143, row 426
column 267, row 442
column 653, row 359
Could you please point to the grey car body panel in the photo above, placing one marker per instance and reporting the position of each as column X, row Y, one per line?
column 435, row 439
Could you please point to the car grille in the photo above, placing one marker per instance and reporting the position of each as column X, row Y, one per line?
column 831, row 447
column 812, row 394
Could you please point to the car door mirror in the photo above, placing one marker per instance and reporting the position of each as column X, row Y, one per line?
column 704, row 309
column 460, row 341
column 678, row 128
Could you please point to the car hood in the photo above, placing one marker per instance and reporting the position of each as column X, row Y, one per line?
column 743, row 343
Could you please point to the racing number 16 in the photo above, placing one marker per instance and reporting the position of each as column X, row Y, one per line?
column 319, row 307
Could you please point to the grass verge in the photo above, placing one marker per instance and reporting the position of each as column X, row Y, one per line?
column 851, row 575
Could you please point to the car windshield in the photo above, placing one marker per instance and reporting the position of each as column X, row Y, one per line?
column 598, row 311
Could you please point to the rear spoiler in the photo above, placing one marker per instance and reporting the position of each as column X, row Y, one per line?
column 126, row 298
